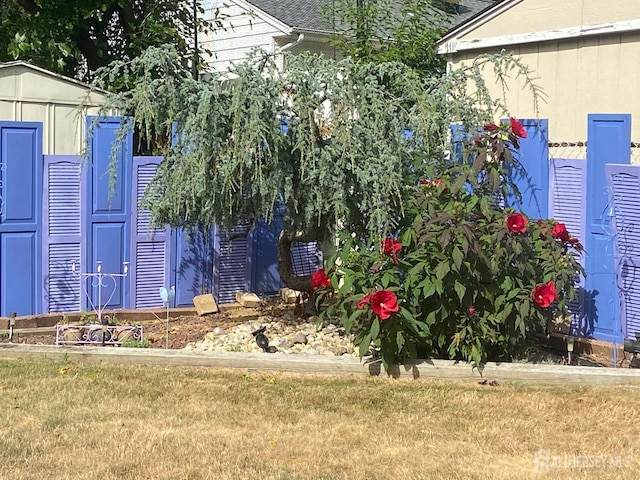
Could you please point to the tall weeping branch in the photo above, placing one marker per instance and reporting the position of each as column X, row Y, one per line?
column 324, row 143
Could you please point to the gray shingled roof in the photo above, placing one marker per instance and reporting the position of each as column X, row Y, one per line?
column 297, row 14
column 470, row 8
column 306, row 15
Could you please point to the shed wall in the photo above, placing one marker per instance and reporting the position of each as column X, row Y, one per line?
column 543, row 15
column 579, row 76
column 30, row 95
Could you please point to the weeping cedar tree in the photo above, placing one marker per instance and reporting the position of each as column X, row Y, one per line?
column 346, row 161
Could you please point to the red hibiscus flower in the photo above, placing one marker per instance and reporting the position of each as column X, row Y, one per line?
column 363, row 301
column 391, row 246
column 490, row 127
column 384, row 303
column 545, row 294
column 517, row 129
column 559, row 232
column 320, row 279
column 517, row 223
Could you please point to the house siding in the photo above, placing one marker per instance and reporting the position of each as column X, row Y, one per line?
column 247, row 31
column 578, row 76
column 244, row 33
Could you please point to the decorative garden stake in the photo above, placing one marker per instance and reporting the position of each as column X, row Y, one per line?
column 98, row 280
column 570, row 341
column 12, row 324
column 167, row 296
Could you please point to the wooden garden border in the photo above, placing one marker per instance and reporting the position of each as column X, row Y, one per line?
column 318, row 364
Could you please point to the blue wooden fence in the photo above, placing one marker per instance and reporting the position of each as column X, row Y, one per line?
column 58, row 209
column 575, row 192
column 55, row 210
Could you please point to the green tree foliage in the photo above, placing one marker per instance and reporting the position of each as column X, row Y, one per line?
column 390, row 31
column 345, row 162
column 76, row 37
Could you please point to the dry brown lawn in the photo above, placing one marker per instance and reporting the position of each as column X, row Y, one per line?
column 72, row 421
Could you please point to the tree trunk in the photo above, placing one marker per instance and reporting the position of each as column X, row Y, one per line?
column 285, row 264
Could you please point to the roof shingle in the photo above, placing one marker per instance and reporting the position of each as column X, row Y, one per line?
column 307, row 15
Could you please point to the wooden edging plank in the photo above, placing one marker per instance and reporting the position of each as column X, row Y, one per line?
column 317, row 364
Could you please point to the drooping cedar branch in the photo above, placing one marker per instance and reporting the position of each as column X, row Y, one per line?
column 324, row 139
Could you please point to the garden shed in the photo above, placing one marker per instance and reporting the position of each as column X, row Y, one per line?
column 32, row 94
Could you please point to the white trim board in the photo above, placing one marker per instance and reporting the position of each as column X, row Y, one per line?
column 454, row 46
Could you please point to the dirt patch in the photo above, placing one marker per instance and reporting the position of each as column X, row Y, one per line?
column 181, row 330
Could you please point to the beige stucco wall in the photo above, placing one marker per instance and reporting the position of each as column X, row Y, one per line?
column 582, row 75
column 32, row 95
column 543, row 15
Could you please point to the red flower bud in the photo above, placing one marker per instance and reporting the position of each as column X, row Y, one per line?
column 471, row 310
column 363, row 301
column 575, row 243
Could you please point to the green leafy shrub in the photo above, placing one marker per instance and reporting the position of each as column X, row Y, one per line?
column 463, row 278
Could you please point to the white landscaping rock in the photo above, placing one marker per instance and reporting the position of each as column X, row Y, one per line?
column 289, row 337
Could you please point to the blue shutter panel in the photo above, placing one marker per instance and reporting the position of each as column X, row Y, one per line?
column 108, row 218
column 568, row 186
column 192, row 264
column 624, row 182
column 20, row 218
column 150, row 249
column 533, row 155
column 306, row 258
column 62, row 232
column 232, row 265
column 265, row 278
column 609, row 141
